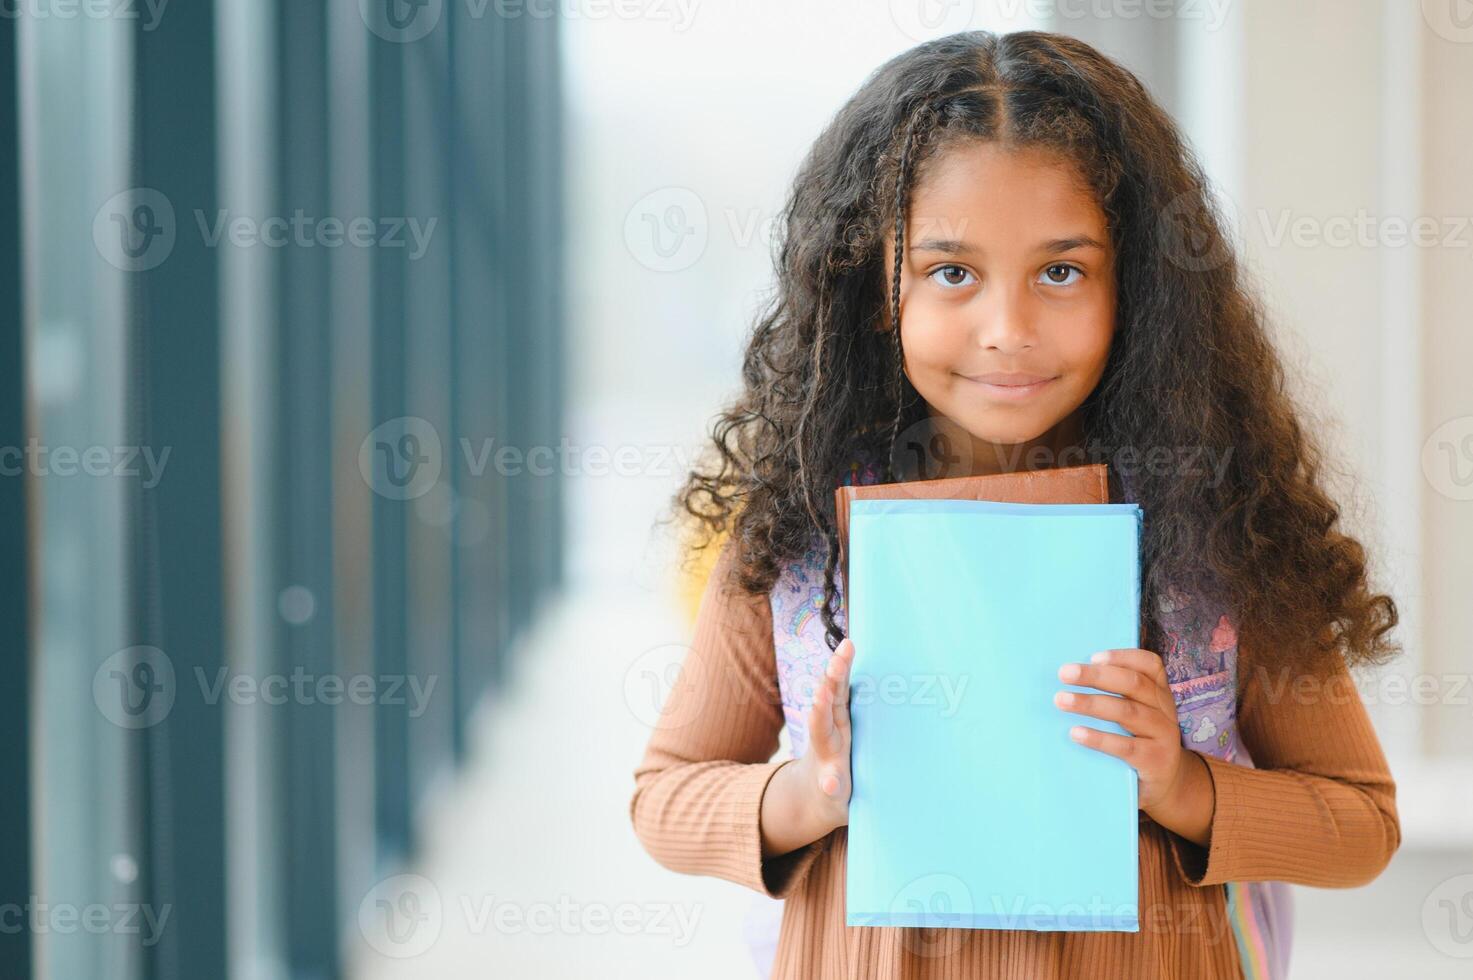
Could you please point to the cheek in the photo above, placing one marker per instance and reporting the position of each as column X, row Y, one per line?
column 1099, row 351
column 931, row 343
column 1084, row 347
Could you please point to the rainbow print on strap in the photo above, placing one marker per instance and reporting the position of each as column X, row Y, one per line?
column 1201, row 654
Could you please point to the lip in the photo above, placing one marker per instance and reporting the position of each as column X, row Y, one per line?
column 1013, row 387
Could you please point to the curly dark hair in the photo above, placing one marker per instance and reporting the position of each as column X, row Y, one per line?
column 1191, row 363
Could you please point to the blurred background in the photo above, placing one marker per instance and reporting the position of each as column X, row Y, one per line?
column 350, row 349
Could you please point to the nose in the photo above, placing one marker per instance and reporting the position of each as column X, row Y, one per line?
column 1005, row 321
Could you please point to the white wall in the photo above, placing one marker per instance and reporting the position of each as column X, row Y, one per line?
column 1333, row 128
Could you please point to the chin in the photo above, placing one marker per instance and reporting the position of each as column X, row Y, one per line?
column 1009, row 435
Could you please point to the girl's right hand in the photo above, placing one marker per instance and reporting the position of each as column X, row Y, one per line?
column 827, row 758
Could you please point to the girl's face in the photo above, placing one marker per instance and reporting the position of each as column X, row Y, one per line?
column 1007, row 296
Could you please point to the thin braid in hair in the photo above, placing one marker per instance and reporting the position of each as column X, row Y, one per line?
column 902, row 179
column 833, row 634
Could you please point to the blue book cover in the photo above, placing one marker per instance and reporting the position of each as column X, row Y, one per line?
column 972, row 807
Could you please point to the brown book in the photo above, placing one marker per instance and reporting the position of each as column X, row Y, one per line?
column 1088, row 484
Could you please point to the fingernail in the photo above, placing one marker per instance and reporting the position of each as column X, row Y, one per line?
column 1097, row 658
column 1069, row 672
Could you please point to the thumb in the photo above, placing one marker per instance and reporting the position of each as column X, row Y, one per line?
column 828, row 781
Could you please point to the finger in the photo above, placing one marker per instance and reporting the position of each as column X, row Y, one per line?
column 1138, row 719
column 838, row 672
column 821, row 718
column 1125, row 681
column 828, row 781
column 841, row 664
column 831, row 699
column 1135, row 751
column 1145, row 661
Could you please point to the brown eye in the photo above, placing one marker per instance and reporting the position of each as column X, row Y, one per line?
column 1063, row 269
column 952, row 276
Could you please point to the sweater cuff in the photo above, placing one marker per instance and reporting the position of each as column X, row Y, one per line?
column 1202, row 866
column 780, row 875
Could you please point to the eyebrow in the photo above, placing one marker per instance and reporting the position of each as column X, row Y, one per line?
column 952, row 246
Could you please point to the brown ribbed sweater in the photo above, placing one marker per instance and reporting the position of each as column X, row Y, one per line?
column 1319, row 810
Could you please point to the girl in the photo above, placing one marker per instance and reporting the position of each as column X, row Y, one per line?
column 1001, row 254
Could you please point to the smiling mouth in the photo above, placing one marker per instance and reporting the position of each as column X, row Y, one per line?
column 1006, row 390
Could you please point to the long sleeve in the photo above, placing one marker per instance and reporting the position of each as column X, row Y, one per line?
column 1319, row 808
column 698, row 791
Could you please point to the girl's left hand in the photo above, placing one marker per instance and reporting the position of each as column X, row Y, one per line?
column 1146, row 709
